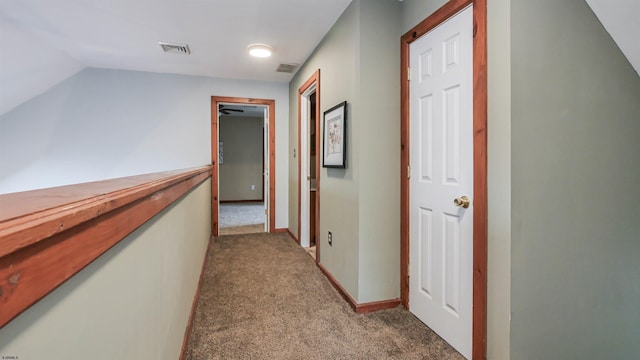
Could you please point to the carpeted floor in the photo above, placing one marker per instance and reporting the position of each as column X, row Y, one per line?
column 242, row 213
column 242, row 229
column 263, row 297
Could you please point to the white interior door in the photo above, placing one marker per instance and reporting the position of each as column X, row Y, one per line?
column 266, row 170
column 441, row 158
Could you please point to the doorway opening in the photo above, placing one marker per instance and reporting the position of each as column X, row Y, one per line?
column 309, row 164
column 241, row 166
column 243, row 162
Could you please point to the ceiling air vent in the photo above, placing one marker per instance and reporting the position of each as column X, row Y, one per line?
column 287, row 68
column 175, row 48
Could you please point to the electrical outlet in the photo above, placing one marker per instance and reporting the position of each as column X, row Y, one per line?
column 330, row 239
column 253, row 187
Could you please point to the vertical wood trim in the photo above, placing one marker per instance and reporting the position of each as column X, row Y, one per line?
column 299, row 164
column 214, row 167
column 479, row 337
column 313, row 79
column 271, row 105
column 318, row 156
column 272, row 164
column 404, row 172
column 480, row 218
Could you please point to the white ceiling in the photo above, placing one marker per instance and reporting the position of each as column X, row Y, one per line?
column 123, row 34
column 47, row 41
column 621, row 18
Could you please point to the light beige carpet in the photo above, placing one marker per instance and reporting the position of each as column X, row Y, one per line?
column 263, row 297
column 243, row 229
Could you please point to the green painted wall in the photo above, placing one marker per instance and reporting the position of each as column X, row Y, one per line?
column 132, row 302
column 575, row 173
column 499, row 178
column 414, row 11
column 378, row 131
column 562, row 176
column 241, row 168
column 336, row 57
column 359, row 62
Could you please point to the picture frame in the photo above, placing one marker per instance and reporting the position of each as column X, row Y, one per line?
column 334, row 149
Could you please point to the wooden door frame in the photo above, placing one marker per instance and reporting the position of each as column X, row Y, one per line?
column 271, row 105
column 479, row 327
column 314, row 79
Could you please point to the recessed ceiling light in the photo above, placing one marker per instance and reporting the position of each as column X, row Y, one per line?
column 260, row 50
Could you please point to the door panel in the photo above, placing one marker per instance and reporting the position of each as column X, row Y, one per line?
column 441, row 158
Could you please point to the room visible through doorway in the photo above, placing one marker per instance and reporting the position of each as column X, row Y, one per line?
column 241, row 168
column 241, row 217
column 243, row 159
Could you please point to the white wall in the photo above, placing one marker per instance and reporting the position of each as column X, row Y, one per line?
column 29, row 66
column 102, row 124
column 133, row 302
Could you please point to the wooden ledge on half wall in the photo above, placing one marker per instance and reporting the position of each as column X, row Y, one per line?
column 48, row 235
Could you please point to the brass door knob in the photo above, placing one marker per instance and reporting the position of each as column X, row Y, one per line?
column 462, row 201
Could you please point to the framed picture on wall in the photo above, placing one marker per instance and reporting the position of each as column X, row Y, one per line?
column 335, row 137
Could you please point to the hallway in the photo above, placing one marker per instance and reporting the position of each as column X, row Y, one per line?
column 262, row 297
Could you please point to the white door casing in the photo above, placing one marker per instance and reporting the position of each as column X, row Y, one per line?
column 441, row 170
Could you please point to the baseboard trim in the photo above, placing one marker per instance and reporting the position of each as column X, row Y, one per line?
column 345, row 295
column 293, row 236
column 280, row 231
column 377, row 305
column 286, row 230
column 358, row 308
column 194, row 305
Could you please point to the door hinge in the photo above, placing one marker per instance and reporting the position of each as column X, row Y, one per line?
column 408, row 171
column 265, row 212
column 408, row 73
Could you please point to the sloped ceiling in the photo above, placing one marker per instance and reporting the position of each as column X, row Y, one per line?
column 51, row 40
column 621, row 18
column 46, row 41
